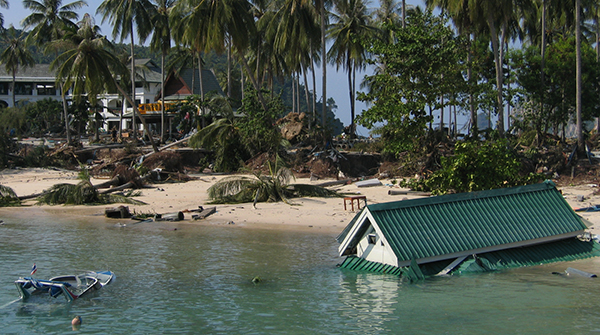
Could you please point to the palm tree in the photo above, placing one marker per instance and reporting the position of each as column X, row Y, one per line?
column 161, row 40
column 296, row 29
column 15, row 56
column 123, row 14
column 3, row 4
column 88, row 66
column 49, row 19
column 350, row 27
column 206, row 25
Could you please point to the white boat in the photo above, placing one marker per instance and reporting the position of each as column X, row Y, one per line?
column 70, row 286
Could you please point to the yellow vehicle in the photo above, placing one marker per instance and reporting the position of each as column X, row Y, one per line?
column 154, row 108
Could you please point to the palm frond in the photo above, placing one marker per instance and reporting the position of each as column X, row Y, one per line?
column 8, row 197
column 305, row 190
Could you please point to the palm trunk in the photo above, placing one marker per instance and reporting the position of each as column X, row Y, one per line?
column 133, row 104
column 543, row 61
column 66, row 113
column 324, row 63
column 497, row 61
column 162, row 97
column 229, row 67
column 580, row 141
column 314, row 93
column 135, row 111
column 306, row 93
column 254, row 82
column 474, row 127
column 14, row 84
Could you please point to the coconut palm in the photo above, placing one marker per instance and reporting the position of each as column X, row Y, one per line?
column 88, row 66
column 50, row 19
column 265, row 188
column 207, row 24
column 16, row 56
column 161, row 40
column 3, row 4
column 350, row 27
column 122, row 15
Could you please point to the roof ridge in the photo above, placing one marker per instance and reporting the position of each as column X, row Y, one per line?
column 458, row 197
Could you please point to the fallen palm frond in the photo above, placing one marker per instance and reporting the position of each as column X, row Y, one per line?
column 261, row 188
column 8, row 197
column 83, row 193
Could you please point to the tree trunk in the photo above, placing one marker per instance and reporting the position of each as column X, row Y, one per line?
column 324, row 63
column 162, row 97
column 135, row 111
column 580, row 141
column 254, row 82
column 133, row 104
column 66, row 113
column 497, row 61
column 306, row 93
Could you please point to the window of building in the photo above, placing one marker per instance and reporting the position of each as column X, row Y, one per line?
column 46, row 89
column 24, row 88
column 372, row 238
column 4, row 88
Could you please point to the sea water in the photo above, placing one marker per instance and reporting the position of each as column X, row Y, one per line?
column 176, row 278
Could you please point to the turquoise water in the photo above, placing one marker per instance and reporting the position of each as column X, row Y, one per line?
column 197, row 279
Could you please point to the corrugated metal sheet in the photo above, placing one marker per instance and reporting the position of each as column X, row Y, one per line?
column 560, row 251
column 454, row 223
column 361, row 264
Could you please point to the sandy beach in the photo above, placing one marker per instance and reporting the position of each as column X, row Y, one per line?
column 319, row 214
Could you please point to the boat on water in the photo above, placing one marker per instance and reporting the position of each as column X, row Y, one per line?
column 70, row 286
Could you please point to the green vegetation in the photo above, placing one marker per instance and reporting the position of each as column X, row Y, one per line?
column 8, row 197
column 427, row 69
column 83, row 193
column 271, row 188
column 476, row 166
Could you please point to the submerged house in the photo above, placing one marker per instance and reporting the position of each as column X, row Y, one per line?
column 466, row 232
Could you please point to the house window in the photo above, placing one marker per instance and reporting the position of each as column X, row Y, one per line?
column 24, row 88
column 4, row 88
column 46, row 89
column 372, row 238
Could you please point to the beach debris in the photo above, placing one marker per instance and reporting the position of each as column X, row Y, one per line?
column 594, row 208
column 400, row 192
column 230, row 222
column 205, row 212
column 120, row 212
column 580, row 198
column 177, row 216
column 573, row 271
column 368, row 183
column 256, row 280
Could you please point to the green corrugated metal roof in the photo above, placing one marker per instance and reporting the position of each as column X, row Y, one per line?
column 434, row 226
column 558, row 251
column 361, row 264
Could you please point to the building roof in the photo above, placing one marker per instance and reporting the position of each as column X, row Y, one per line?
column 450, row 226
column 39, row 72
column 179, row 87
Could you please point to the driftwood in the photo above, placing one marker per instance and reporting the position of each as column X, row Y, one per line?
column 121, row 212
column 113, row 182
column 108, row 146
column 151, row 174
column 204, row 213
column 178, row 216
column 335, row 182
column 398, row 192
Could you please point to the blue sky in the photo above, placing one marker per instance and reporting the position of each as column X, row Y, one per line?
column 337, row 81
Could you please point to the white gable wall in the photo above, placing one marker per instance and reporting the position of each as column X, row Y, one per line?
column 374, row 247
